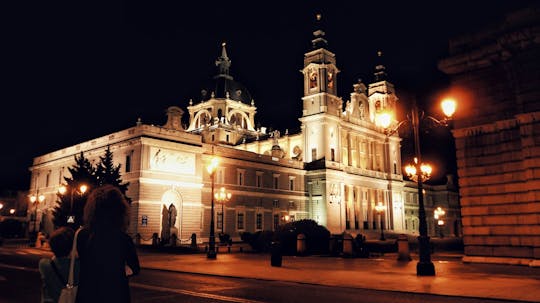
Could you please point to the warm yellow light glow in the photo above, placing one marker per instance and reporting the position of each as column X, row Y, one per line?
column 379, row 208
column 211, row 168
column 62, row 189
column 410, row 170
column 1, row 205
column 449, row 107
column 12, row 211
column 222, row 196
column 34, row 198
column 83, row 188
column 383, row 119
column 426, row 169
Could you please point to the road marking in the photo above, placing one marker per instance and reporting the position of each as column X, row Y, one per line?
column 193, row 293
column 19, row 267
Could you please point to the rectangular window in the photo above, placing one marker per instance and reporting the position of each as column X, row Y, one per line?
column 276, row 222
column 240, row 175
column 47, row 177
column 313, row 154
column 291, row 184
column 275, row 204
column 219, row 220
column 240, row 221
column 220, row 178
column 276, row 181
column 128, row 163
column 259, row 221
column 60, row 175
column 259, row 180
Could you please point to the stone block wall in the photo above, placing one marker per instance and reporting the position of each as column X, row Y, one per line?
column 495, row 75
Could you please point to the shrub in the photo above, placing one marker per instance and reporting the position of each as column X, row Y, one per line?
column 259, row 241
column 11, row 228
column 317, row 236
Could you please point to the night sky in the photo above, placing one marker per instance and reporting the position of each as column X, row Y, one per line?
column 75, row 71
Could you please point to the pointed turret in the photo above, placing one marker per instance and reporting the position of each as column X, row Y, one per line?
column 380, row 69
column 381, row 93
column 223, row 63
column 319, row 41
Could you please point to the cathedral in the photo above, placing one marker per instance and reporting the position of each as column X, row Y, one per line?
column 336, row 170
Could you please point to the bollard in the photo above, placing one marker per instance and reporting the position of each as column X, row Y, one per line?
column 403, row 248
column 347, row 245
column 332, row 246
column 300, row 244
column 193, row 240
column 173, row 240
column 275, row 254
column 155, row 239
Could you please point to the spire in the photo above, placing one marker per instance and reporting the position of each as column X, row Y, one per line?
column 223, row 62
column 380, row 70
column 318, row 40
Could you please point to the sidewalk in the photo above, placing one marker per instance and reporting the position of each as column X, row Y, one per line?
column 453, row 277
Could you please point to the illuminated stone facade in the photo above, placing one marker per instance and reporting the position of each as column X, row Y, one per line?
column 334, row 171
column 496, row 75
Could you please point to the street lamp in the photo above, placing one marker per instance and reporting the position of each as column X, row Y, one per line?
column 384, row 119
column 211, row 168
column 379, row 208
column 36, row 200
column 222, row 197
column 81, row 189
column 438, row 215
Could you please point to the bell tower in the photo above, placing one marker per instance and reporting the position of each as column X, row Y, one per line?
column 320, row 71
column 322, row 108
column 381, row 93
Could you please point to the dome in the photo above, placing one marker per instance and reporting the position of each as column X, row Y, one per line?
column 225, row 87
column 223, row 84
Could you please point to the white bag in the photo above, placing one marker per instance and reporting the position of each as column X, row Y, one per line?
column 68, row 294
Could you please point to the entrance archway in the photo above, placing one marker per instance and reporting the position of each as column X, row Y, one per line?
column 171, row 211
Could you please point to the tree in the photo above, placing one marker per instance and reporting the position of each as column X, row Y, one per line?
column 72, row 202
column 107, row 173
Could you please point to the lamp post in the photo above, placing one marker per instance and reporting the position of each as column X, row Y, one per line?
column 424, row 266
column 211, row 168
column 36, row 200
column 222, row 197
column 81, row 189
column 379, row 208
column 438, row 215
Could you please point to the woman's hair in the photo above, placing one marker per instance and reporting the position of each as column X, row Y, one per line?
column 61, row 241
column 106, row 207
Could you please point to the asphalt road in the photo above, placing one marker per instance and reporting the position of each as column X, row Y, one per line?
column 20, row 282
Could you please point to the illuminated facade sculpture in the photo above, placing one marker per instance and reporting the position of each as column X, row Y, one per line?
column 334, row 171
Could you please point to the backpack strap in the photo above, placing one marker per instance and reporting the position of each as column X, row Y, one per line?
column 57, row 272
